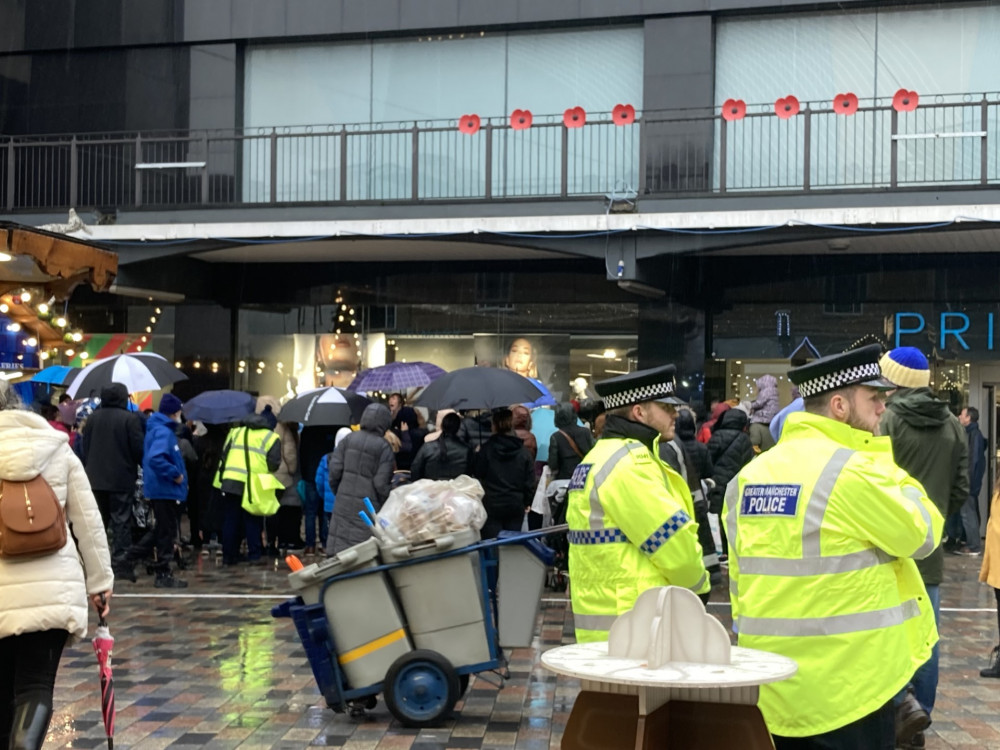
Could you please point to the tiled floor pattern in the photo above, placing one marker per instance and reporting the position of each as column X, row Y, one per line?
column 208, row 667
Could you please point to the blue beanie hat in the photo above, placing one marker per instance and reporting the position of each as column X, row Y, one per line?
column 906, row 367
column 170, row 404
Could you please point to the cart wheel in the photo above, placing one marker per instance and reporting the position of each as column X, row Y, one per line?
column 421, row 687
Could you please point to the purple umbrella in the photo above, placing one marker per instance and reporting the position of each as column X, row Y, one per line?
column 396, row 376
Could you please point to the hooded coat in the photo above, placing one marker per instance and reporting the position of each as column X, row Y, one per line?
column 705, row 431
column 730, row 449
column 112, row 442
column 49, row 592
column 522, row 429
column 162, row 461
column 507, row 473
column 444, row 458
column 766, row 406
column 929, row 443
column 361, row 466
column 562, row 458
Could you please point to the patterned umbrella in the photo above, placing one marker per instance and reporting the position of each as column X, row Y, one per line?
column 396, row 376
column 137, row 372
column 104, row 643
column 325, row 406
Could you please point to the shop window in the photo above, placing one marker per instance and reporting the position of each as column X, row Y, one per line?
column 494, row 291
column 845, row 295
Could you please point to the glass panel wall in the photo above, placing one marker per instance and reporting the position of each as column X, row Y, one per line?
column 346, row 115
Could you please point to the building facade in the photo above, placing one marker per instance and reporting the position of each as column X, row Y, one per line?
column 708, row 182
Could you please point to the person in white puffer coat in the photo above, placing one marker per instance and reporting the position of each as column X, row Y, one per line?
column 45, row 599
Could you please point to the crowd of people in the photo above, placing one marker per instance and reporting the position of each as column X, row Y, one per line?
column 830, row 514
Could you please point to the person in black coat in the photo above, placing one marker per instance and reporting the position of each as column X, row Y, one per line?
column 444, row 458
column 731, row 449
column 112, row 446
column 406, row 427
column 507, row 473
column 564, row 455
column 685, row 429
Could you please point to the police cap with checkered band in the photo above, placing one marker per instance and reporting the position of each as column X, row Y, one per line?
column 856, row 367
column 654, row 384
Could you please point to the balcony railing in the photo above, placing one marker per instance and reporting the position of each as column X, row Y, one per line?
column 948, row 140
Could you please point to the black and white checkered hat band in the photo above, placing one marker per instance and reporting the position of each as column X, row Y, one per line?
column 638, row 395
column 840, row 379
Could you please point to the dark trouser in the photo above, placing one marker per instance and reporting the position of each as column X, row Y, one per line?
column 312, row 509
column 28, row 665
column 116, row 510
column 494, row 526
column 163, row 536
column 876, row 731
column 235, row 520
column 283, row 527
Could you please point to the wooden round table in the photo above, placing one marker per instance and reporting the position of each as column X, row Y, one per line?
column 624, row 704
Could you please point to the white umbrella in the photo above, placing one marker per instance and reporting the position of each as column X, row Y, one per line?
column 143, row 371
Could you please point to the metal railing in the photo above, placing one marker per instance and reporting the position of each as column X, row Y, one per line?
column 949, row 140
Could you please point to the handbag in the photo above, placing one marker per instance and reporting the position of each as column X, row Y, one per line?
column 32, row 521
column 266, row 503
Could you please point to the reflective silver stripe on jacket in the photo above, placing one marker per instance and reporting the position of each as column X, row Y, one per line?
column 813, row 566
column 594, row 622
column 732, row 503
column 701, row 582
column 799, row 627
column 912, row 493
column 596, row 511
column 818, row 501
column 597, row 536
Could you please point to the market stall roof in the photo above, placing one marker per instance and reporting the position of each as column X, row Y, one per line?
column 52, row 262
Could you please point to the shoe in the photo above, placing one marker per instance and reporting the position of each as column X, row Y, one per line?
column 993, row 670
column 918, row 741
column 309, row 551
column 31, row 721
column 911, row 719
column 169, row 582
column 124, row 572
column 966, row 552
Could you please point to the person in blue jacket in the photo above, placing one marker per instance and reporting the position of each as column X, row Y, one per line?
column 165, row 484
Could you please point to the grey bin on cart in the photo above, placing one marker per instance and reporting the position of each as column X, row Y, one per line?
column 365, row 623
column 519, row 590
column 442, row 599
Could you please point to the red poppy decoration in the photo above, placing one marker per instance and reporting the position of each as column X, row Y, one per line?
column 574, row 117
column 520, row 119
column 845, row 104
column 623, row 114
column 469, row 124
column 905, row 101
column 787, row 107
column 734, row 109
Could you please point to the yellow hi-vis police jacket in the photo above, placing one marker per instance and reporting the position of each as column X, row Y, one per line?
column 631, row 528
column 822, row 529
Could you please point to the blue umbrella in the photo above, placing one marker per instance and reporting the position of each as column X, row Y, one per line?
column 546, row 399
column 396, row 376
column 219, row 407
column 55, row 375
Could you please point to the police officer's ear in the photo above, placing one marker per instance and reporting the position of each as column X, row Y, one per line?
column 637, row 413
column 839, row 406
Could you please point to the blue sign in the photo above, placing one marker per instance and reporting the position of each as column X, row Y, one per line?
column 770, row 499
column 951, row 326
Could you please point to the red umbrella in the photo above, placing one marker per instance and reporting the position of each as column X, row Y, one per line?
column 104, row 643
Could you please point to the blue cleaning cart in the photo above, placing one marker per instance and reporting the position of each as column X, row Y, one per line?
column 430, row 615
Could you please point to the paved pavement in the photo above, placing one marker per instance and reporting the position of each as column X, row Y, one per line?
column 207, row 667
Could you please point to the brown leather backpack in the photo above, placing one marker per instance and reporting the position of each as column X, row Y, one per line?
column 32, row 521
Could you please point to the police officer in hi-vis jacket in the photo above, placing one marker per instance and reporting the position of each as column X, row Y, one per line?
column 631, row 517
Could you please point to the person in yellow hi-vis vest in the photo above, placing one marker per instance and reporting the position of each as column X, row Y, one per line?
column 823, row 531
column 631, row 517
column 250, row 448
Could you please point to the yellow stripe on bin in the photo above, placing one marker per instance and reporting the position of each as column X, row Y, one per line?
column 360, row 651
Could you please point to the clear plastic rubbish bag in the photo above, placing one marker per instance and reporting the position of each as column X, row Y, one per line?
column 426, row 509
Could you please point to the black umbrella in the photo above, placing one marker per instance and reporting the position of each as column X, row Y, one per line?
column 325, row 406
column 137, row 372
column 478, row 388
